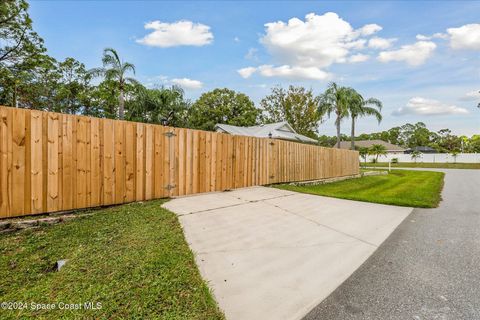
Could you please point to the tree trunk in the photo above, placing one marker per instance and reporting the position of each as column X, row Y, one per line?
column 121, row 105
column 337, row 123
column 352, row 135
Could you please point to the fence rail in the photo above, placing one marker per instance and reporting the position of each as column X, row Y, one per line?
column 52, row 162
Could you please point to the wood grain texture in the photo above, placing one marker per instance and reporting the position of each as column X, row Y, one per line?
column 53, row 162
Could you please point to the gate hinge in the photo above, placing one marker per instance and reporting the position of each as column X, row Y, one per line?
column 271, row 143
column 169, row 134
column 170, row 187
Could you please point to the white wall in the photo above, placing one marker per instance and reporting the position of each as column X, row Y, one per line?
column 429, row 157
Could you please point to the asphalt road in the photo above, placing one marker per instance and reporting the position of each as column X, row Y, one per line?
column 429, row 267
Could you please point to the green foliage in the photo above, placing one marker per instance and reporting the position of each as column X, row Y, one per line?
column 360, row 107
column 326, row 141
column 363, row 152
column 415, row 155
column 161, row 106
column 18, row 42
column 48, row 85
column 296, row 105
column 335, row 100
column 377, row 150
column 29, row 78
column 73, row 94
column 115, row 70
column 133, row 259
column 21, row 50
column 222, row 106
column 417, row 135
column 473, row 144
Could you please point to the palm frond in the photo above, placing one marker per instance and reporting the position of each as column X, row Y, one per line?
column 374, row 101
column 110, row 56
column 112, row 74
column 369, row 111
column 97, row 72
column 127, row 66
column 133, row 81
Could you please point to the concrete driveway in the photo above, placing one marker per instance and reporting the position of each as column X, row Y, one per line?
column 275, row 254
column 427, row 269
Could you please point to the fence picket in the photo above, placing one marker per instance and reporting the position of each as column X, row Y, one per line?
column 53, row 162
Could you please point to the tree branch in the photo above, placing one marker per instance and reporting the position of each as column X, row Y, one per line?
column 11, row 17
column 4, row 56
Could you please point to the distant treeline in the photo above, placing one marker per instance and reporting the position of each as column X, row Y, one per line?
column 30, row 78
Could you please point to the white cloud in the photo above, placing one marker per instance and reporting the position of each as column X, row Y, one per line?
column 465, row 37
column 180, row 33
column 413, row 54
column 472, row 96
column 369, row 29
column 318, row 41
column 422, row 37
column 246, row 72
column 439, row 35
column 236, row 39
column 380, row 43
column 359, row 57
column 428, row 107
column 252, row 54
column 293, row 72
column 187, row 83
column 307, row 47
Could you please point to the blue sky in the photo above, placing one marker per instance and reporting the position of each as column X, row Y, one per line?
column 422, row 59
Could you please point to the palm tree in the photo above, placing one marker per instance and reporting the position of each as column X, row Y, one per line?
column 115, row 69
column 359, row 107
column 363, row 152
column 335, row 100
column 377, row 150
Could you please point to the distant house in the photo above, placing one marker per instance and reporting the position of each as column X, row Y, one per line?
column 279, row 130
column 391, row 148
column 421, row 150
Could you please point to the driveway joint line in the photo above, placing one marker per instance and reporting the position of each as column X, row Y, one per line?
column 234, row 205
column 323, row 225
column 275, row 247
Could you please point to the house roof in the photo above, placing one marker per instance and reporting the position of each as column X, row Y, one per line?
column 279, row 130
column 369, row 143
column 424, row 149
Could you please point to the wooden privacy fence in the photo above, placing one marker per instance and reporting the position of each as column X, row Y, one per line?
column 52, row 162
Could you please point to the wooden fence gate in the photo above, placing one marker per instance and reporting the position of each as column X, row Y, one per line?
column 54, row 162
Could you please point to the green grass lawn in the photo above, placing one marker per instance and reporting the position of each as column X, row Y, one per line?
column 399, row 187
column 133, row 259
column 425, row 165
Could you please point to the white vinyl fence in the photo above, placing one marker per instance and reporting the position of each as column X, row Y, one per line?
column 429, row 157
